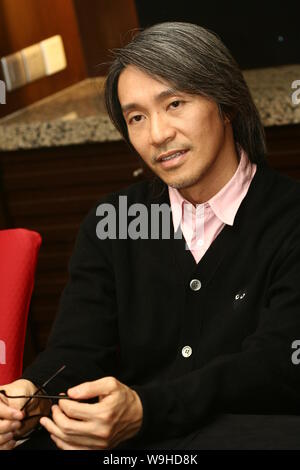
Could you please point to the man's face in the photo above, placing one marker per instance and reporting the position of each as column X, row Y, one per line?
column 179, row 136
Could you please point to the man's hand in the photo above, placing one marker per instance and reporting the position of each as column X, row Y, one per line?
column 116, row 417
column 11, row 424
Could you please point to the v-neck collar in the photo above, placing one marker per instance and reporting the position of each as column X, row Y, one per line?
column 223, row 243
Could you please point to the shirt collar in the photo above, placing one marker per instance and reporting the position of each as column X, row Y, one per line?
column 224, row 203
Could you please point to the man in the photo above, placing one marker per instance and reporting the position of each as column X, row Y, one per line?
column 182, row 342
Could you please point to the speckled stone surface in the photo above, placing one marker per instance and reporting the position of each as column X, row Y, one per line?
column 271, row 89
column 77, row 114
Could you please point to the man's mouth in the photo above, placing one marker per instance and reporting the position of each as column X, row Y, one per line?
column 174, row 155
column 171, row 158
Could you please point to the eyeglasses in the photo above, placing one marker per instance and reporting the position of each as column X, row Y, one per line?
column 35, row 395
column 38, row 394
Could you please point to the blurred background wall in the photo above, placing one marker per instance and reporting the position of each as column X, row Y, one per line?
column 89, row 28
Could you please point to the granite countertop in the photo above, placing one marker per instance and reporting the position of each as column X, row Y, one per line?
column 76, row 115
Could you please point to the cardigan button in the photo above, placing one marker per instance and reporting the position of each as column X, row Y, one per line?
column 195, row 284
column 186, row 351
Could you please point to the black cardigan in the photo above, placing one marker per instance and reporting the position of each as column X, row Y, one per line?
column 128, row 311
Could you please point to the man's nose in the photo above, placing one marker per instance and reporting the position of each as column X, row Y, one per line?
column 160, row 130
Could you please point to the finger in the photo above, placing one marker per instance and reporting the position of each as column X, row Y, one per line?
column 65, row 446
column 51, row 427
column 93, row 389
column 60, row 439
column 4, row 438
column 8, row 425
column 15, row 404
column 70, row 426
column 78, row 432
column 7, row 412
column 81, row 439
column 80, row 411
column 8, row 445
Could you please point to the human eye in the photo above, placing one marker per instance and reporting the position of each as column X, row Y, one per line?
column 135, row 119
column 175, row 104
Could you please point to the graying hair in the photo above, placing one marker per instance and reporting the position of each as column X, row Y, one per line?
column 193, row 60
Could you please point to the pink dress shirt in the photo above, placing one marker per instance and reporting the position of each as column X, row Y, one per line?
column 202, row 223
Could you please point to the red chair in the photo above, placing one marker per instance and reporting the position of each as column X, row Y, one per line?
column 18, row 258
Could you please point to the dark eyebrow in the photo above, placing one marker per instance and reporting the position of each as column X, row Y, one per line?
column 160, row 97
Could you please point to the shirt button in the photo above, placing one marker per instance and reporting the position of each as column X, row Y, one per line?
column 186, row 351
column 195, row 284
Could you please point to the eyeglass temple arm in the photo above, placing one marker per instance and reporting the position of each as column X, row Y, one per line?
column 52, row 397
column 41, row 387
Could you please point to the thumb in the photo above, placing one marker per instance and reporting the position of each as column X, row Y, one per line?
column 93, row 389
